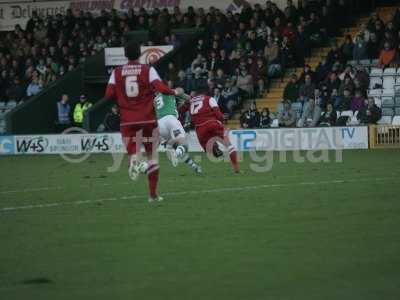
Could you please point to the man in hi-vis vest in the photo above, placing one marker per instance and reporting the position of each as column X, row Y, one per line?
column 80, row 110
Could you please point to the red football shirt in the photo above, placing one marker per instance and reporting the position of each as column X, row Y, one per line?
column 133, row 86
column 204, row 109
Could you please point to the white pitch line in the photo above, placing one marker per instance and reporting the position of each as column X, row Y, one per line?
column 182, row 193
column 52, row 188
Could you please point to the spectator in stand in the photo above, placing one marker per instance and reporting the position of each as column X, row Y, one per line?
column 245, row 119
column 307, row 71
column 291, row 91
column 345, row 104
column 318, row 98
column 216, row 94
column 259, row 73
column 16, row 91
column 307, row 89
column 287, row 117
column 230, row 97
column 34, row 87
column 335, row 55
column 332, row 82
column 245, row 83
column 63, row 113
column 373, row 46
column 182, row 81
column 370, row 113
column 301, row 45
column 172, row 73
column 322, row 71
column 265, row 118
column 197, row 80
column 347, row 48
column 360, row 50
column 387, row 55
column 254, row 120
column 271, row 54
column 336, row 100
column 199, row 63
column 347, row 84
column 328, row 117
column 112, row 120
column 80, row 110
column 348, row 71
column 358, row 101
column 220, row 78
column 311, row 114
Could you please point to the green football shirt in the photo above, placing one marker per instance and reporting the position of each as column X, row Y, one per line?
column 165, row 105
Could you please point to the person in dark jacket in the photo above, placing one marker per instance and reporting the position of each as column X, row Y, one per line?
column 112, row 120
column 370, row 114
column 254, row 116
column 328, row 117
column 265, row 118
column 291, row 91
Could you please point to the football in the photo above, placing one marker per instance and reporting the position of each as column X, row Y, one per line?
column 143, row 166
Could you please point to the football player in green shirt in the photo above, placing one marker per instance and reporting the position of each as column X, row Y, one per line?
column 171, row 130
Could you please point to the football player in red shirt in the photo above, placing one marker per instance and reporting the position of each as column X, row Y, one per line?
column 208, row 120
column 133, row 86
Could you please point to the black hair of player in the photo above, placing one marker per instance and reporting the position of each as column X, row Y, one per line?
column 201, row 89
column 132, row 50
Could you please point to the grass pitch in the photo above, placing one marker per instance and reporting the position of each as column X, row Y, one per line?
column 301, row 231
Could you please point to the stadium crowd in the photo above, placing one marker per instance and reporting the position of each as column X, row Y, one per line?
column 236, row 58
column 339, row 83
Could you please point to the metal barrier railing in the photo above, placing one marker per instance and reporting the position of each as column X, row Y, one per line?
column 384, row 136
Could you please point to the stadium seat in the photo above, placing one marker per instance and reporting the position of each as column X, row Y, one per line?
column 387, row 102
column 11, row 104
column 385, row 120
column 397, row 111
column 387, row 112
column 297, row 106
column 397, row 88
column 347, row 113
column 279, row 108
column 2, row 105
column 388, row 93
column 375, row 92
column 389, row 82
column 397, row 101
column 352, row 63
column 374, row 62
column 365, row 62
column 378, row 101
column 376, row 72
column 389, row 72
column 275, row 123
column 396, row 120
column 375, row 81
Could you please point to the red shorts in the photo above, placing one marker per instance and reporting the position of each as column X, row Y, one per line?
column 136, row 135
column 210, row 132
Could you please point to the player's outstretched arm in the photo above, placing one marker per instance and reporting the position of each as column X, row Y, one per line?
column 158, row 84
column 215, row 108
column 110, row 90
